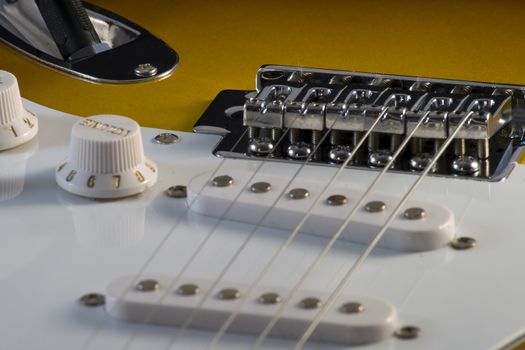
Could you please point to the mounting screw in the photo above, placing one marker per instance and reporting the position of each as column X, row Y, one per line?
column 92, row 299
column 166, row 139
column 145, row 70
column 462, row 243
column 177, row 192
column 407, row 332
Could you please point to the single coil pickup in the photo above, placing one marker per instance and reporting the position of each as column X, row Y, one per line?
column 283, row 205
column 353, row 320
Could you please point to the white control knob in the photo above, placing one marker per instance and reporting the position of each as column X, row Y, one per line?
column 106, row 159
column 17, row 125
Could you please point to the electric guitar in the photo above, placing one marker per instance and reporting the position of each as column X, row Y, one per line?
column 318, row 209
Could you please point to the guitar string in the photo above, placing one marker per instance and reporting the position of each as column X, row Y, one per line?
column 201, row 245
column 337, row 292
column 337, row 234
column 212, row 230
column 159, row 246
column 210, row 289
column 292, row 235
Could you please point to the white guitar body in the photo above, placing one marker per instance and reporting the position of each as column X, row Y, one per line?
column 56, row 247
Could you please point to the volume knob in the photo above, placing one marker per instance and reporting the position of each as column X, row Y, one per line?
column 17, row 125
column 106, row 159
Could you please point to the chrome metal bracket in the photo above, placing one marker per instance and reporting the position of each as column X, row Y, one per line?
column 320, row 115
column 128, row 53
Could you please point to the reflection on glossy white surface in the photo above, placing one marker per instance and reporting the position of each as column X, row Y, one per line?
column 55, row 249
column 13, row 169
column 105, row 223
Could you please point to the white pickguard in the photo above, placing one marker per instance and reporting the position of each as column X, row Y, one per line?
column 55, row 247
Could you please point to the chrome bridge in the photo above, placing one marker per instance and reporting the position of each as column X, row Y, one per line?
column 299, row 114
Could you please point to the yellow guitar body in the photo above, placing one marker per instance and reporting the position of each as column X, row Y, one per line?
column 222, row 44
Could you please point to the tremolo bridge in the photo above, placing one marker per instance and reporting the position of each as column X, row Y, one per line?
column 299, row 114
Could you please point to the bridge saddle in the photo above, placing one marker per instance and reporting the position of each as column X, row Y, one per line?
column 320, row 115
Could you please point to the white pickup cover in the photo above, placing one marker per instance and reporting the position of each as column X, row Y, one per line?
column 376, row 321
column 433, row 231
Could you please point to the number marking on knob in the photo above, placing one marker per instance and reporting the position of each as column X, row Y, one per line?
column 139, row 176
column 151, row 167
column 91, row 181
column 116, row 181
column 28, row 122
column 71, row 176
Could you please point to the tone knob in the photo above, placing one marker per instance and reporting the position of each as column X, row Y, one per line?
column 106, row 159
column 17, row 125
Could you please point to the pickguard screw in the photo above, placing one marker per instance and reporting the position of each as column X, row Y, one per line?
column 177, row 191
column 93, row 299
column 145, row 70
column 148, row 286
column 462, row 243
column 166, row 139
column 407, row 332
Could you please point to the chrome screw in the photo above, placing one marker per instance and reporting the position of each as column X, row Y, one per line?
column 462, row 243
column 166, row 139
column 93, row 299
column 223, row 181
column 177, row 191
column 407, row 332
column 465, row 165
column 145, row 70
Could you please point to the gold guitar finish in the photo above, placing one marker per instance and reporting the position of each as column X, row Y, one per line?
column 222, row 44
